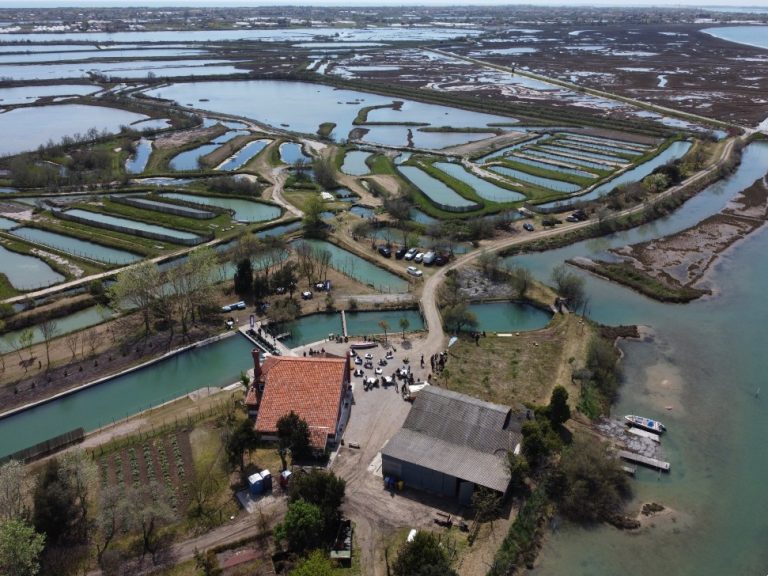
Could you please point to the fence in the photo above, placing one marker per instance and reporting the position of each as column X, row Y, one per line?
column 198, row 213
column 47, row 447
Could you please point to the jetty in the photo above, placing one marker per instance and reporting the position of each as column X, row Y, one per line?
column 644, row 460
column 344, row 324
column 645, row 434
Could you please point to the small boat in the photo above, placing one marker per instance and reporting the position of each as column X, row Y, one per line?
column 645, row 424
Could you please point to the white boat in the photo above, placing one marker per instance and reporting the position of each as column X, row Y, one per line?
column 645, row 424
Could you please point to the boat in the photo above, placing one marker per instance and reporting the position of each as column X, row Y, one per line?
column 645, row 424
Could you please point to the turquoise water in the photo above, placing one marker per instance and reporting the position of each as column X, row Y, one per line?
column 76, row 321
column 509, row 317
column 245, row 210
column 483, row 188
column 76, row 246
column 134, row 224
column 6, row 224
column 354, row 163
column 279, row 230
column 291, row 152
column 360, row 269
column 556, row 185
column 217, row 364
column 362, row 211
column 421, row 217
column 27, row 272
column 751, row 35
column 317, row 327
column 136, row 163
column 703, row 360
column 244, row 155
column 55, row 121
column 190, row 159
column 434, row 189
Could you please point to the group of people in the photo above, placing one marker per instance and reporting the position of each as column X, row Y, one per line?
column 314, row 352
column 437, row 361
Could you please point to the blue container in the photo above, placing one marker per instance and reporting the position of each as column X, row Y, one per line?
column 266, row 478
column 255, row 484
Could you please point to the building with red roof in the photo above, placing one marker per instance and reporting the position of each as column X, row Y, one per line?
column 315, row 388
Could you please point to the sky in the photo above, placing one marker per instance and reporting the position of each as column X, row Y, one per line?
column 229, row 3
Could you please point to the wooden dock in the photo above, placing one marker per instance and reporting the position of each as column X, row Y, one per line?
column 343, row 324
column 645, row 434
column 644, row 460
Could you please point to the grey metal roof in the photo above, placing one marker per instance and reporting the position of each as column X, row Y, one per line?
column 457, row 435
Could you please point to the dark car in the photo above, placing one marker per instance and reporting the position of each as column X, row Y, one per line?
column 385, row 251
column 440, row 260
column 528, row 226
column 400, row 254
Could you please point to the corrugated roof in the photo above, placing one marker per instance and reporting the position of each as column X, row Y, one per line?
column 457, row 435
column 311, row 387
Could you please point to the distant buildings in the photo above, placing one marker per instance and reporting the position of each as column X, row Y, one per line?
column 316, row 388
column 450, row 443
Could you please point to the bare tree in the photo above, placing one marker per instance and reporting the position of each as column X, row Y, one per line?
column 25, row 341
column 323, row 260
column 72, row 339
column 111, row 519
column 306, row 263
column 14, row 491
column 138, row 287
column 49, row 328
column 91, row 337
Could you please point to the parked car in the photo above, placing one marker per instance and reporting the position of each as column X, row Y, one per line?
column 528, row 226
column 429, row 258
column 440, row 260
column 385, row 251
column 419, row 257
column 358, row 361
column 368, row 364
column 400, row 253
column 369, row 356
column 411, row 253
column 413, row 271
column 571, row 218
column 358, row 372
column 306, row 295
column 580, row 215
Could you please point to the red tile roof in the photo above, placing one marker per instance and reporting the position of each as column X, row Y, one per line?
column 311, row 387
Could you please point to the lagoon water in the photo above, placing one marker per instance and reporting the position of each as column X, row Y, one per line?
column 703, row 359
column 136, row 163
column 190, row 159
column 750, row 35
column 29, row 94
column 483, row 188
column 77, row 247
column 244, row 155
column 354, row 163
column 27, row 272
column 130, row 69
column 509, row 317
column 434, row 189
column 245, row 210
column 56, row 121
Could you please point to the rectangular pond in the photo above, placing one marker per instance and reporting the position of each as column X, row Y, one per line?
column 361, row 269
column 562, row 156
column 148, row 204
column 7, row 224
column 279, row 230
column 64, row 325
column 131, row 70
column 508, row 149
column 292, row 152
column 245, row 210
column 101, row 218
column 398, row 136
column 593, row 145
column 27, row 272
column 354, row 163
column 548, row 183
column 551, row 166
column 56, row 121
column 509, row 316
column 244, row 155
column 215, row 365
column 77, row 247
column 436, row 190
column 583, row 153
column 483, row 188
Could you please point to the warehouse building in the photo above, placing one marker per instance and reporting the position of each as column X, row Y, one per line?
column 450, row 443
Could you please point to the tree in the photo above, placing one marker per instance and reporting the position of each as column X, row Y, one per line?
column 111, row 519
column 317, row 564
column 137, row 287
column 486, row 503
column 423, row 555
column 306, row 263
column 49, row 328
column 313, row 221
column 149, row 512
column 207, row 562
column 592, row 486
column 520, row 280
column 384, row 325
column 404, row 324
column 25, row 341
column 458, row 316
column 244, row 278
column 302, row 527
column 323, row 489
column 534, row 445
column 20, row 548
column 57, row 512
column 569, row 286
column 325, row 173
column 72, row 339
column 293, row 436
column 243, row 438
column 14, row 484
column 558, row 410
column 518, row 470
